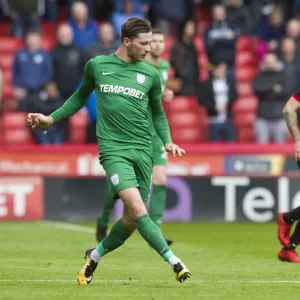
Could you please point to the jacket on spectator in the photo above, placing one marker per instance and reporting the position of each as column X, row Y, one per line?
column 84, row 37
column 206, row 97
column 23, row 6
column 99, row 49
column 170, row 9
column 240, row 18
column 268, row 32
column 37, row 102
column 184, row 59
column 32, row 70
column 68, row 62
column 218, row 46
column 270, row 102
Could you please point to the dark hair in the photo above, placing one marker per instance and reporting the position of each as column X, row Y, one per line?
column 133, row 26
column 218, row 63
column 32, row 31
column 272, row 53
column 156, row 31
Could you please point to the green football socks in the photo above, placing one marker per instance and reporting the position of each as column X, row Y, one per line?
column 157, row 204
column 109, row 203
column 152, row 234
column 116, row 238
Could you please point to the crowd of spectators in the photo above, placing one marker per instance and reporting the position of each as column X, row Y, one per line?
column 42, row 80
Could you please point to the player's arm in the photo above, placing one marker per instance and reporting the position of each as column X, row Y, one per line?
column 72, row 105
column 159, row 118
column 291, row 119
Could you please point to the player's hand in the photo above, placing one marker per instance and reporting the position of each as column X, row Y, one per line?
column 297, row 151
column 174, row 149
column 36, row 120
column 168, row 95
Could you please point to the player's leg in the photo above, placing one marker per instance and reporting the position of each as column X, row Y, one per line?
column 121, row 176
column 159, row 195
column 289, row 254
column 102, row 222
column 285, row 222
column 146, row 227
column 159, row 183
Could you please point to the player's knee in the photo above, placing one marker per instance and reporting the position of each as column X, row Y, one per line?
column 159, row 179
column 129, row 225
column 138, row 210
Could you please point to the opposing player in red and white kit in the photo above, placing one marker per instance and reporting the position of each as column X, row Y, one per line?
column 286, row 220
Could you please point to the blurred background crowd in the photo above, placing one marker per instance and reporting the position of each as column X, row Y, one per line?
column 234, row 63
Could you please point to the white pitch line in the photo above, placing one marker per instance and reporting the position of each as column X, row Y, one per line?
column 86, row 229
column 68, row 226
column 152, row 281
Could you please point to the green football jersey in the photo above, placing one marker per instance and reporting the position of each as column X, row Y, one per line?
column 124, row 91
column 163, row 70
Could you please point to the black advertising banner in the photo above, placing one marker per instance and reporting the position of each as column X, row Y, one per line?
column 74, row 199
column 218, row 198
column 290, row 166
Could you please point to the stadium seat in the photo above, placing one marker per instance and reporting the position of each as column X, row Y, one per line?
column 244, row 44
column 48, row 29
column 243, row 119
column 171, row 72
column 183, row 104
column 201, row 27
column 7, row 74
column 204, row 75
column 199, row 44
column 77, row 126
column 1, row 131
column 182, row 119
column 169, row 43
column 8, row 93
column 245, row 59
column 166, row 56
column 246, row 104
column 77, row 136
column 6, row 60
column 15, row 127
column 245, row 134
column 48, row 43
column 244, row 89
column 12, row 120
column 203, row 115
column 245, row 74
column 10, row 44
column 5, row 28
column 203, row 61
column 186, row 135
column 18, row 136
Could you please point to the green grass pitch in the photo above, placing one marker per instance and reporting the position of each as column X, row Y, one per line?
column 40, row 260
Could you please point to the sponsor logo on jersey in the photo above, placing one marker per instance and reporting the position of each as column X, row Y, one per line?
column 119, row 89
column 115, row 180
column 140, row 79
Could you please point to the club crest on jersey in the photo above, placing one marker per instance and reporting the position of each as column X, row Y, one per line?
column 115, row 180
column 140, row 79
column 165, row 75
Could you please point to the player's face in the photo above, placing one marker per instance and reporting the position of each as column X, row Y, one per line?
column 139, row 46
column 157, row 45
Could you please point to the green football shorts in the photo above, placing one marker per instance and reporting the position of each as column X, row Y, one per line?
column 129, row 168
column 159, row 152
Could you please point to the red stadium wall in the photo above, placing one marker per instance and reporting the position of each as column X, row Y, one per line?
column 212, row 183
